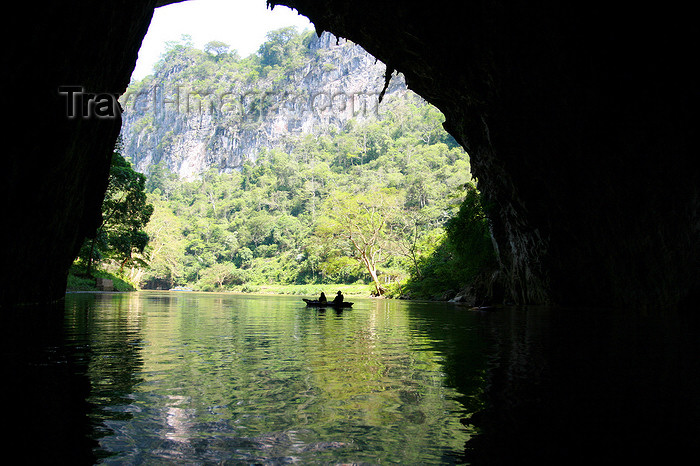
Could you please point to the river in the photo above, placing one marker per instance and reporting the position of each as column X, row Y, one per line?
column 207, row 378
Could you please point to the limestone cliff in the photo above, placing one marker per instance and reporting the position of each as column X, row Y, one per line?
column 174, row 119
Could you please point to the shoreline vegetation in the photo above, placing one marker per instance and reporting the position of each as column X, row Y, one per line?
column 78, row 282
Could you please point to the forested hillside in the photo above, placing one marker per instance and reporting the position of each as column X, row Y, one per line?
column 365, row 198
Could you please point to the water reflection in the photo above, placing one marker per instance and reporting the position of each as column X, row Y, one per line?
column 45, row 388
column 589, row 386
column 188, row 378
column 201, row 377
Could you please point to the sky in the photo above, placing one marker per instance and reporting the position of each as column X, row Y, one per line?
column 242, row 24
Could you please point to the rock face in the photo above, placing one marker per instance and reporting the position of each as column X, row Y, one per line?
column 190, row 130
column 56, row 167
column 577, row 118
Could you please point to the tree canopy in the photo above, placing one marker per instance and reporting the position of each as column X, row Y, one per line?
column 121, row 238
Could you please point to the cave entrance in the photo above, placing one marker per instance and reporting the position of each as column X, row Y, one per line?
column 249, row 149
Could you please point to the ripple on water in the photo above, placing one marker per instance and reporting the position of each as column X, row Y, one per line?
column 210, row 378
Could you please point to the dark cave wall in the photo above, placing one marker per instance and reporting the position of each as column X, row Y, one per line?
column 55, row 169
column 577, row 118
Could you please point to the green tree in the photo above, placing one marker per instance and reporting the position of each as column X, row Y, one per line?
column 217, row 49
column 278, row 45
column 451, row 258
column 469, row 235
column 125, row 213
column 165, row 246
column 219, row 275
column 361, row 220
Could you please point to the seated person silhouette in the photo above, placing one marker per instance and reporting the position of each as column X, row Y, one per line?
column 322, row 298
column 338, row 298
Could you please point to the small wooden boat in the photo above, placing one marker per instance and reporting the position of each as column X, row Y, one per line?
column 317, row 303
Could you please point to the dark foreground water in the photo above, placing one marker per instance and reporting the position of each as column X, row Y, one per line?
column 190, row 378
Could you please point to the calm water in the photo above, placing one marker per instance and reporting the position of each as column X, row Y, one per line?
column 193, row 378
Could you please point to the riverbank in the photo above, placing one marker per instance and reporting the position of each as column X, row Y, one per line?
column 305, row 290
column 81, row 282
column 78, row 282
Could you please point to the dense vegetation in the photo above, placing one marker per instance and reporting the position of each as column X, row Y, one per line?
column 289, row 218
column 121, row 240
column 381, row 202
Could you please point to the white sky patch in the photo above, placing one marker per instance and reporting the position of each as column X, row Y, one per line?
column 242, row 24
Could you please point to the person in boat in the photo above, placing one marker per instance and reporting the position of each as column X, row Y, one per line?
column 322, row 298
column 338, row 298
